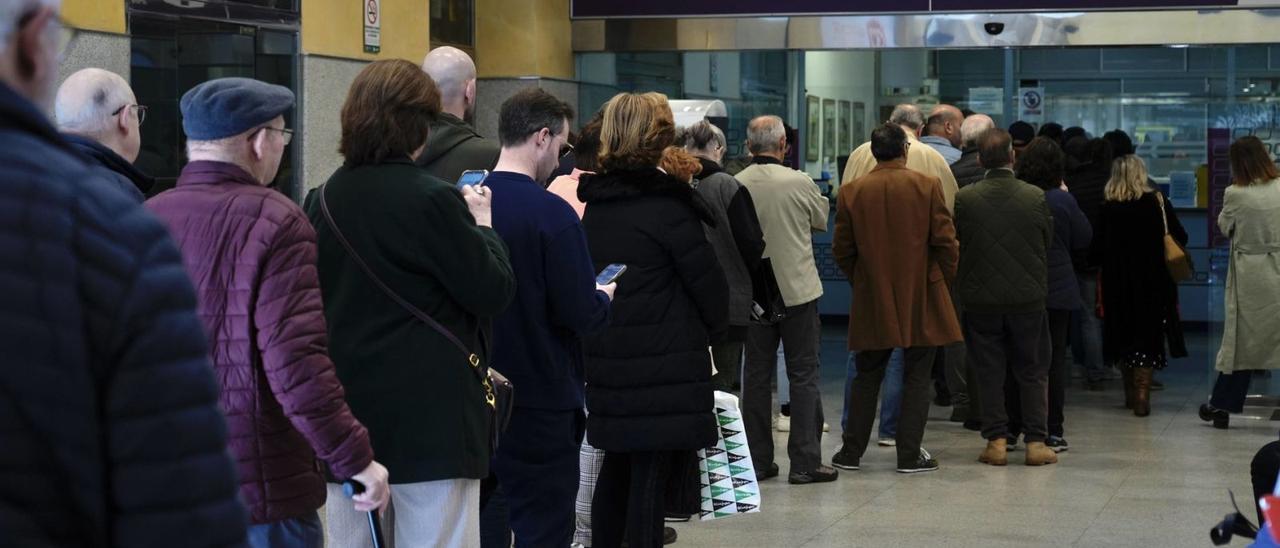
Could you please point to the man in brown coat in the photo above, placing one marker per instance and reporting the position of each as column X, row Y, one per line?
column 895, row 241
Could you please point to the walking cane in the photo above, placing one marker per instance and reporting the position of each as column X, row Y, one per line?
column 351, row 488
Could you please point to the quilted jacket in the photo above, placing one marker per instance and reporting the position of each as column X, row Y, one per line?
column 1005, row 230
column 252, row 254
column 110, row 433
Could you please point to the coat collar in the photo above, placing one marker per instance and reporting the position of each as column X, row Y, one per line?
column 765, row 160
column 205, row 172
column 899, row 163
column 709, row 168
column 618, row 185
column 112, row 161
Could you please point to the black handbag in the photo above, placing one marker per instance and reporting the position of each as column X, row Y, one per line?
column 498, row 391
column 768, row 307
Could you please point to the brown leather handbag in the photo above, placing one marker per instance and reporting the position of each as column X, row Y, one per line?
column 1175, row 257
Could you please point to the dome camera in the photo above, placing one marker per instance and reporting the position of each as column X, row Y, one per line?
column 994, row 28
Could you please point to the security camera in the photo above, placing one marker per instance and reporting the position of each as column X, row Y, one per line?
column 993, row 29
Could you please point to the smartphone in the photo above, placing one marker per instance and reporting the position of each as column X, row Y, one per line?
column 610, row 274
column 472, row 177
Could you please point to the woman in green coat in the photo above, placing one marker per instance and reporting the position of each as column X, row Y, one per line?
column 1251, row 338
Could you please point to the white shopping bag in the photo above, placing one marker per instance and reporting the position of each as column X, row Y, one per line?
column 729, row 485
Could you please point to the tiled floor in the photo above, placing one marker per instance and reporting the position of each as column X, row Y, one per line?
column 1127, row 481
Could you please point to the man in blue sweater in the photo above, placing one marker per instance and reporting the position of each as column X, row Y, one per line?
column 538, row 339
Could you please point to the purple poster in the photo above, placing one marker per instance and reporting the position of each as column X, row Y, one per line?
column 1219, row 179
column 744, row 8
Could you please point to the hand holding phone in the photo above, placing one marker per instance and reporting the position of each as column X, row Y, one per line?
column 610, row 274
column 472, row 177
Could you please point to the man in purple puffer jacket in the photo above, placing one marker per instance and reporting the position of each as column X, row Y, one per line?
column 252, row 254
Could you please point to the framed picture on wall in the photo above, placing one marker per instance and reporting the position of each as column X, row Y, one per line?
column 844, row 138
column 811, row 130
column 829, row 129
column 859, row 122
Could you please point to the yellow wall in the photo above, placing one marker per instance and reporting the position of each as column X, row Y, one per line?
column 335, row 28
column 98, row 15
column 523, row 38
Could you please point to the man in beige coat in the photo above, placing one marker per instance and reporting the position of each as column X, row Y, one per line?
column 790, row 209
column 896, row 242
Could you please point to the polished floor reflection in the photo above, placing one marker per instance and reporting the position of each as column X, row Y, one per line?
column 1126, row 481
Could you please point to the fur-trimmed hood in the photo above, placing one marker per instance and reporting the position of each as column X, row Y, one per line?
column 629, row 184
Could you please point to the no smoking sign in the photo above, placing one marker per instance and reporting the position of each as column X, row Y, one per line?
column 371, row 16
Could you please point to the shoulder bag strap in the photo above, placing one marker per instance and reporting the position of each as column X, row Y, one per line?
column 472, row 358
column 1165, row 219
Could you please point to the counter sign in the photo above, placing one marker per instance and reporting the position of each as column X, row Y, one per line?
column 371, row 15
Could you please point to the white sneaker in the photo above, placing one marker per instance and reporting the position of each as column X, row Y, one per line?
column 888, row 442
column 826, row 427
column 782, row 423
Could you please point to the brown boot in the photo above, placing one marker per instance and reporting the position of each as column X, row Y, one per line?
column 1039, row 455
column 1142, row 391
column 996, row 453
column 1127, row 373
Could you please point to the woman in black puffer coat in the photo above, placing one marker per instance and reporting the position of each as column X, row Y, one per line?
column 649, row 374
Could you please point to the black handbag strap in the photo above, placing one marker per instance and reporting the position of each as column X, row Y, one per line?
column 472, row 358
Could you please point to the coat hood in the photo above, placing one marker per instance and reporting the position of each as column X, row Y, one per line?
column 447, row 132
column 630, row 184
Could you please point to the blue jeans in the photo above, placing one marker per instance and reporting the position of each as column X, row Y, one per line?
column 289, row 533
column 1086, row 332
column 890, row 393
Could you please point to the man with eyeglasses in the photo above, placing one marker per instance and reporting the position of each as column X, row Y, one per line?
column 108, row 405
column 98, row 113
column 538, row 339
column 252, row 253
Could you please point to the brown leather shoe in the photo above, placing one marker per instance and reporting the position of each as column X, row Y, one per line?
column 1126, row 373
column 1142, row 391
column 1039, row 455
column 996, row 453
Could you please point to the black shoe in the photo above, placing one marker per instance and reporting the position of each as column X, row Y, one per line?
column 942, row 399
column 668, row 536
column 1221, row 419
column 672, row 517
column 924, row 463
column 958, row 414
column 1056, row 443
column 845, row 460
column 770, row 471
column 973, row 424
column 1012, row 442
column 824, row 474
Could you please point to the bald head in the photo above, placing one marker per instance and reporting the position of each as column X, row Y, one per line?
column 972, row 127
column 455, row 76
column 909, row 117
column 766, row 136
column 945, row 122
column 92, row 103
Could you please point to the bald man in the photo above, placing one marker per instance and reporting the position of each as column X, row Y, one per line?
column 98, row 113
column 453, row 146
column 942, row 132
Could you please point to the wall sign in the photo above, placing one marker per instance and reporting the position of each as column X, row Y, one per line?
column 1031, row 105
column 371, row 16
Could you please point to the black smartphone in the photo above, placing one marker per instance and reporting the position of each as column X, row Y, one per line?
column 610, row 274
column 472, row 177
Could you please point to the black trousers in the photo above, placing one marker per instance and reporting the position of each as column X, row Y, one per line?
column 1059, row 372
column 1230, row 391
column 629, row 499
column 799, row 333
column 536, row 467
column 1017, row 345
column 914, row 411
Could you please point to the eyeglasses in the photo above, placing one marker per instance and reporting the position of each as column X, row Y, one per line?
column 66, row 33
column 286, row 134
column 565, row 150
column 142, row 112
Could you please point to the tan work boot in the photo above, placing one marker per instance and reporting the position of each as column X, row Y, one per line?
column 1142, row 391
column 1039, row 455
column 997, row 452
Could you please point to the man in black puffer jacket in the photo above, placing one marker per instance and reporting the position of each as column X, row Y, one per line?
column 108, row 406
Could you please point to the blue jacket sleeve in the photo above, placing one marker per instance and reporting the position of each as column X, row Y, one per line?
column 572, row 298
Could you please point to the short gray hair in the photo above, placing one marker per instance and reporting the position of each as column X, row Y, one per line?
column 703, row 134
column 908, row 115
column 12, row 10
column 764, row 133
column 87, row 99
column 973, row 126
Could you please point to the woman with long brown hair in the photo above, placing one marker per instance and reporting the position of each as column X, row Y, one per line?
column 410, row 384
column 1251, row 218
column 1139, row 296
column 649, row 391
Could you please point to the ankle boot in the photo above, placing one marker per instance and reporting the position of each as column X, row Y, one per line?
column 996, row 453
column 1038, row 454
column 1127, row 373
column 1142, row 391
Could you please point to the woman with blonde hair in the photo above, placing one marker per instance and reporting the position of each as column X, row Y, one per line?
column 1140, row 298
column 649, row 393
column 1251, row 218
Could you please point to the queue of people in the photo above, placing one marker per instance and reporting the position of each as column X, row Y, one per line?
column 366, row 335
